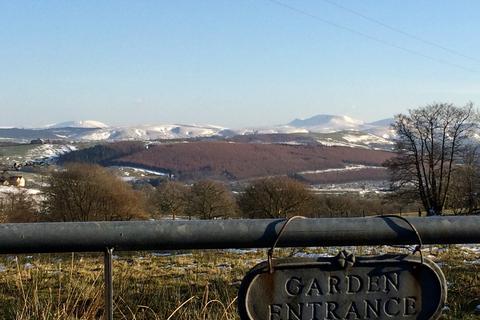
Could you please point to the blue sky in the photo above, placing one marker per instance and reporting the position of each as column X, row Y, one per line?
column 232, row 62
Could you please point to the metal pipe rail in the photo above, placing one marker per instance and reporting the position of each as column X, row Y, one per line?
column 221, row 234
column 236, row 233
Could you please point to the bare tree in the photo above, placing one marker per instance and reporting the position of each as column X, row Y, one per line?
column 429, row 143
column 464, row 193
column 170, row 198
column 85, row 192
column 17, row 207
column 275, row 197
column 210, row 199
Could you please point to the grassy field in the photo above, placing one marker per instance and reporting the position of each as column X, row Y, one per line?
column 196, row 285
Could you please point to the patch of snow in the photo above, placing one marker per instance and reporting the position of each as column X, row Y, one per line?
column 347, row 168
column 241, row 251
column 139, row 170
column 380, row 131
column 367, row 139
column 312, row 255
column 473, row 248
column 49, row 152
column 327, row 123
column 361, row 188
column 79, row 124
column 98, row 135
column 284, row 129
column 152, row 132
column 161, row 254
column 12, row 189
column 291, row 143
column 329, row 142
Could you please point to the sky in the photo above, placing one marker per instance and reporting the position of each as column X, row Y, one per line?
column 233, row 63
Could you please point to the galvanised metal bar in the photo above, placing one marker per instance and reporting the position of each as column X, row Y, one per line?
column 234, row 233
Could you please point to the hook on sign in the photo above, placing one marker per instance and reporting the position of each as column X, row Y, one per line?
column 418, row 247
column 270, row 251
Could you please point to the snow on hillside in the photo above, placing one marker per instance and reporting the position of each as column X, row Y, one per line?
column 367, row 139
column 324, row 123
column 5, row 190
column 353, row 139
column 327, row 123
column 320, row 124
column 79, row 124
column 48, row 152
column 384, row 132
column 283, row 129
column 374, row 133
column 355, row 167
column 363, row 134
column 153, row 132
column 97, row 135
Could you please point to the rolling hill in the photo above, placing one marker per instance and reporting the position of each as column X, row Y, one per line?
column 233, row 161
column 91, row 130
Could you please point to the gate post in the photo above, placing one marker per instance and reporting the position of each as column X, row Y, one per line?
column 107, row 261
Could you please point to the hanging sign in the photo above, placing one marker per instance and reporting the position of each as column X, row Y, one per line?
column 343, row 287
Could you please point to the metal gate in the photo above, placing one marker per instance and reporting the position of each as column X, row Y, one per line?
column 236, row 233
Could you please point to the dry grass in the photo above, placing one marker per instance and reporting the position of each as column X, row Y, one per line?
column 462, row 270
column 197, row 286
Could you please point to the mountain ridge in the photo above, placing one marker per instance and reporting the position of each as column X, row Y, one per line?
column 327, row 120
column 92, row 130
column 87, row 124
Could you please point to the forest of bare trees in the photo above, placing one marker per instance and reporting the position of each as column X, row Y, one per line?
column 83, row 192
column 86, row 193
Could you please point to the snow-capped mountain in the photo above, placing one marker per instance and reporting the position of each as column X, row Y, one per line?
column 97, row 131
column 279, row 129
column 153, row 132
column 374, row 133
column 322, row 123
column 88, row 124
column 327, row 123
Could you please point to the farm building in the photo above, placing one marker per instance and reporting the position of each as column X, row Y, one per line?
column 16, row 181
